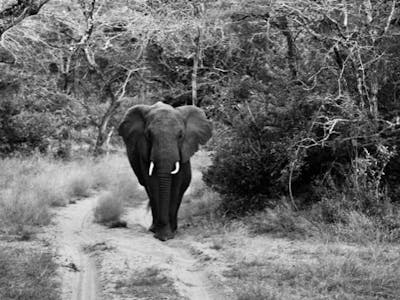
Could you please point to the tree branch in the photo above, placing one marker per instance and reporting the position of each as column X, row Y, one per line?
column 15, row 13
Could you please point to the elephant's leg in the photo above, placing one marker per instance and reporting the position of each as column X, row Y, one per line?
column 180, row 184
column 152, row 191
column 153, row 207
column 173, row 214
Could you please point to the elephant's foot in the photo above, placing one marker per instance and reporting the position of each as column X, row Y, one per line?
column 164, row 234
column 173, row 224
column 153, row 228
column 174, row 227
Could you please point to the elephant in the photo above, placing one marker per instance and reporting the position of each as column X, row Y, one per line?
column 160, row 140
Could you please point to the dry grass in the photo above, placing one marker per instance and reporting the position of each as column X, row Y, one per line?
column 29, row 187
column 326, row 272
column 110, row 205
column 282, row 222
column 109, row 209
column 285, row 254
column 200, row 203
column 150, row 283
column 282, row 254
column 109, row 171
column 127, row 190
column 27, row 274
column 21, row 211
column 293, row 258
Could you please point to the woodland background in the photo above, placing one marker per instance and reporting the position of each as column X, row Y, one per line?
column 303, row 94
column 303, row 167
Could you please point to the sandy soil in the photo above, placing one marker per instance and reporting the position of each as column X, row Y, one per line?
column 95, row 260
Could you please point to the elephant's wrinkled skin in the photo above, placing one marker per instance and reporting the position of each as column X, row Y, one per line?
column 159, row 141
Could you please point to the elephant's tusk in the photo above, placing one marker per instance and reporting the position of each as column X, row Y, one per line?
column 151, row 168
column 176, row 168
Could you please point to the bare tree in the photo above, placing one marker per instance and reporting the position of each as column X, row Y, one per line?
column 354, row 36
column 11, row 14
column 115, row 81
column 14, row 12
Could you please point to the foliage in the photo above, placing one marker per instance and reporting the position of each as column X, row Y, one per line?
column 311, row 120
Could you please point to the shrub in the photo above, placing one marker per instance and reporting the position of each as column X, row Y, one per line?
column 250, row 164
column 305, row 147
column 22, row 130
column 109, row 209
column 79, row 184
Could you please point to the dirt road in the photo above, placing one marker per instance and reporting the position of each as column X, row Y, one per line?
column 101, row 263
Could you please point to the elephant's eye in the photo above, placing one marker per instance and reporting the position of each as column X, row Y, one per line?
column 180, row 135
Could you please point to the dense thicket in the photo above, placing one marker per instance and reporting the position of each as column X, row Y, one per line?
column 316, row 107
column 304, row 94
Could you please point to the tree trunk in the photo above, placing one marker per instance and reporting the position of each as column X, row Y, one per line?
column 196, row 60
column 102, row 129
column 198, row 11
column 108, row 146
column 291, row 52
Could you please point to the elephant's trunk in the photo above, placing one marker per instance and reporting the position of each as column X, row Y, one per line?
column 164, row 199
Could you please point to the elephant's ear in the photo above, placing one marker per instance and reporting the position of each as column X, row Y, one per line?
column 132, row 127
column 198, row 130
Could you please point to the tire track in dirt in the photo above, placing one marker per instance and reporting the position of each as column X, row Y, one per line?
column 191, row 280
column 79, row 276
column 122, row 251
column 87, row 288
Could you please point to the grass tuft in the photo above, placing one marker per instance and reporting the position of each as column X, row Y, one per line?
column 27, row 274
column 109, row 209
column 281, row 221
column 330, row 276
column 21, row 211
column 150, row 283
column 79, row 186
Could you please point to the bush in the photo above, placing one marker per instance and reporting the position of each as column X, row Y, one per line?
column 250, row 165
column 79, row 184
column 313, row 148
column 109, row 209
column 22, row 130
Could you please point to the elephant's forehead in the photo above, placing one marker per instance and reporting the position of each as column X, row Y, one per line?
column 165, row 118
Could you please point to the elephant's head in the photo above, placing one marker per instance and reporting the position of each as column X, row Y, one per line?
column 165, row 136
column 160, row 140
